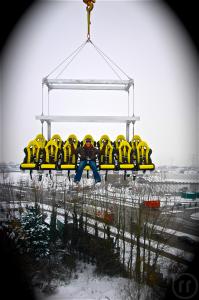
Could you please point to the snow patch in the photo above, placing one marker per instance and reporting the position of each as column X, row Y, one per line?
column 195, row 216
column 87, row 285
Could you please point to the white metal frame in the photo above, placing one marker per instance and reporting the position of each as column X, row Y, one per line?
column 88, row 84
column 80, row 84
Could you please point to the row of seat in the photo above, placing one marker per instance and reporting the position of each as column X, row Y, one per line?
column 56, row 154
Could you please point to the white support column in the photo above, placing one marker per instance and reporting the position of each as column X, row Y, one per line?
column 42, row 127
column 42, row 102
column 48, row 101
column 49, row 130
column 133, row 127
column 127, row 131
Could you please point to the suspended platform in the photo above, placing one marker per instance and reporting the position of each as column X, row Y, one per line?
column 54, row 154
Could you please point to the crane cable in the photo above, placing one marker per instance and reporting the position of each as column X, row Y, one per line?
column 74, row 54
column 71, row 60
column 104, row 57
column 109, row 59
column 65, row 59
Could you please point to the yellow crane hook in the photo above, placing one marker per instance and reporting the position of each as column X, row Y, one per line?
column 89, row 8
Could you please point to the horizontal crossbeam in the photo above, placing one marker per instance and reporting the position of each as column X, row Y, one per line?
column 88, row 84
column 94, row 119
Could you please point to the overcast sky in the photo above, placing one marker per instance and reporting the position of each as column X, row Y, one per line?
column 143, row 37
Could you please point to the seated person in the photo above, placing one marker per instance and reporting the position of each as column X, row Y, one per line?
column 88, row 154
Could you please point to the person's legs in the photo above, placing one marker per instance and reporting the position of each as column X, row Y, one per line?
column 95, row 172
column 80, row 170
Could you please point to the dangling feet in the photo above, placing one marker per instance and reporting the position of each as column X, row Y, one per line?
column 76, row 185
column 76, row 182
column 97, row 183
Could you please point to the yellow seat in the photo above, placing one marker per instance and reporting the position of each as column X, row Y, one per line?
column 134, row 144
column 48, row 166
column 124, row 156
column 27, row 166
column 106, row 159
column 57, row 139
column 69, row 159
column 67, row 167
column 104, row 137
column 40, row 139
column 147, row 167
column 120, row 138
column 31, row 160
column 74, row 139
column 136, row 139
column 107, row 167
column 143, row 157
column 126, row 166
column 51, row 156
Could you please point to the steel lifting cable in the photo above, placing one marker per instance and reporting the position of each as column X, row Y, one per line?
column 109, row 59
column 104, row 57
column 77, row 52
column 63, row 61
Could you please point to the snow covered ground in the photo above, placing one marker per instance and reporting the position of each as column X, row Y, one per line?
column 195, row 216
column 85, row 284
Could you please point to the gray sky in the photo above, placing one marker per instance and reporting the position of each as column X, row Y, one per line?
column 143, row 37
